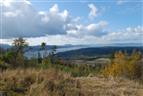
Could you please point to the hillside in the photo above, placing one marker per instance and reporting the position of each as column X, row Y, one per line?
column 97, row 51
column 51, row 82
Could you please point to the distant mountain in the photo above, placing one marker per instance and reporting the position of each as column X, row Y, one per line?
column 4, row 46
column 49, row 47
column 97, row 51
column 126, row 44
column 70, row 51
column 118, row 45
column 37, row 47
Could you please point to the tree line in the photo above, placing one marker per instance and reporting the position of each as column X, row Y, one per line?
column 122, row 64
column 15, row 56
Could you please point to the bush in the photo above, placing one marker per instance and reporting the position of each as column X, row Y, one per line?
column 124, row 65
column 37, row 82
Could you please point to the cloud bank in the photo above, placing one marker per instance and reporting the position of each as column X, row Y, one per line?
column 21, row 19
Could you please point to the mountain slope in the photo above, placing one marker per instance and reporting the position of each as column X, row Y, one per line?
column 97, row 51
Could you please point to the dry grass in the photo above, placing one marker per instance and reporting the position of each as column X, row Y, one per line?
column 50, row 82
column 101, row 86
column 32, row 82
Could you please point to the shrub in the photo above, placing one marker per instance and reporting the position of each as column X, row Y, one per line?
column 124, row 65
column 37, row 82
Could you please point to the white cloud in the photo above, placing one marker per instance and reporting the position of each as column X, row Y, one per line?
column 130, row 35
column 95, row 29
column 27, row 2
column 54, row 9
column 25, row 21
column 64, row 15
column 41, row 13
column 10, row 14
column 44, row 17
column 6, row 3
column 59, row 27
column 93, row 11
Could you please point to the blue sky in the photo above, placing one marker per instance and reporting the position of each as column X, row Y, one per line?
column 119, row 15
column 72, row 21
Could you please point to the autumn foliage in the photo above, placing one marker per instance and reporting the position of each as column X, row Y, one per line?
column 125, row 65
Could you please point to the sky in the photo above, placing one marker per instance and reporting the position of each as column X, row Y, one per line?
column 60, row 22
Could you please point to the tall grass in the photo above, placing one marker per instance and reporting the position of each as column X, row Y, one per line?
column 37, row 82
column 52, row 82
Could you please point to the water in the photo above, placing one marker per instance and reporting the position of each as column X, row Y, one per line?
column 34, row 54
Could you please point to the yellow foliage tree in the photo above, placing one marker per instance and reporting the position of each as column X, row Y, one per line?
column 124, row 65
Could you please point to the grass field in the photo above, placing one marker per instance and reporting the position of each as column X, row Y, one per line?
column 51, row 82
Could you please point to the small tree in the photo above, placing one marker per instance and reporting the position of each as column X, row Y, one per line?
column 43, row 48
column 19, row 45
column 43, row 45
